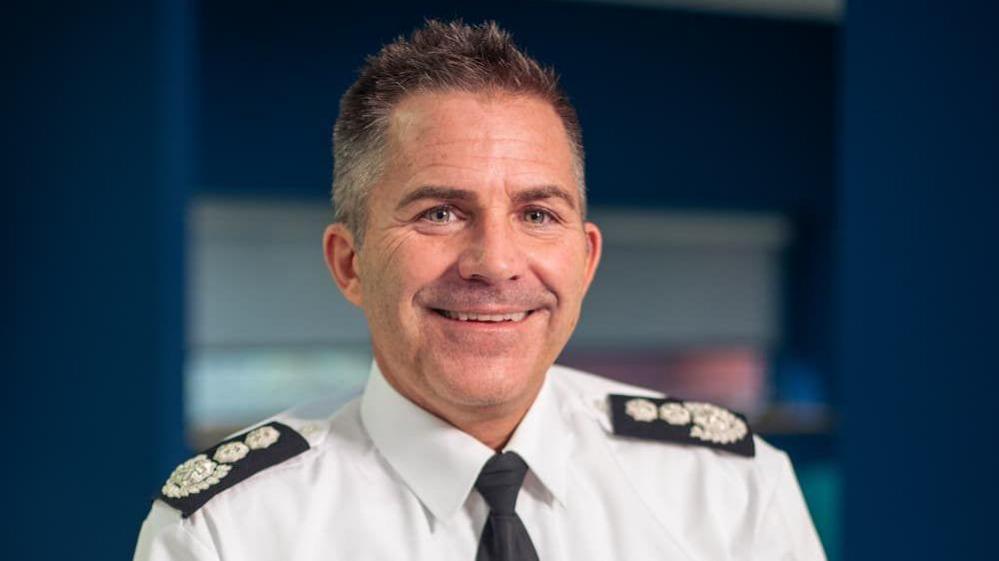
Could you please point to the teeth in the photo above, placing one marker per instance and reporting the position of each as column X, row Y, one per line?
column 462, row 316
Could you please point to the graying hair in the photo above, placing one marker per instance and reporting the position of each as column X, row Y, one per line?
column 438, row 57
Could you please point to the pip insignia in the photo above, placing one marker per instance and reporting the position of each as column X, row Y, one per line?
column 199, row 479
column 261, row 438
column 231, row 452
column 674, row 420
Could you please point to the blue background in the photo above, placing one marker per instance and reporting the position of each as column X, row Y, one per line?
column 877, row 136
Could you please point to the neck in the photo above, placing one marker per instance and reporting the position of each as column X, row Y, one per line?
column 490, row 424
column 493, row 432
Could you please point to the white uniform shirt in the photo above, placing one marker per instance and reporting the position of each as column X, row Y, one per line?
column 385, row 480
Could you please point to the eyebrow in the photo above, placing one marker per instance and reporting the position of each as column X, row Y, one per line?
column 544, row 192
column 436, row 192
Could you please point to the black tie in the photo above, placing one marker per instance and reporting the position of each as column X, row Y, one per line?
column 504, row 538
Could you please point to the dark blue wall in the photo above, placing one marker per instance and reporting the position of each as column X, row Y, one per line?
column 98, row 130
column 918, row 232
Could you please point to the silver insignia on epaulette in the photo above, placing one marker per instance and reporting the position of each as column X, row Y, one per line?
column 674, row 413
column 641, row 410
column 715, row 424
column 193, row 476
column 231, row 452
column 261, row 438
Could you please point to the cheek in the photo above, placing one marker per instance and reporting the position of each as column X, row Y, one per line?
column 397, row 275
column 381, row 283
column 563, row 269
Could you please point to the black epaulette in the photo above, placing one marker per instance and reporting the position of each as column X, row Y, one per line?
column 207, row 474
column 687, row 422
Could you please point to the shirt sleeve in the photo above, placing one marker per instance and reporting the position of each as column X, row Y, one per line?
column 165, row 536
column 786, row 529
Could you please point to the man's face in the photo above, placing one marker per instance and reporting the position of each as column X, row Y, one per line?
column 475, row 258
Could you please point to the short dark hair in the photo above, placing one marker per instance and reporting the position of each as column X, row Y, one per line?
column 438, row 57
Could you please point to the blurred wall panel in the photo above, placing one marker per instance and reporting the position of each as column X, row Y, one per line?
column 258, row 277
column 671, row 279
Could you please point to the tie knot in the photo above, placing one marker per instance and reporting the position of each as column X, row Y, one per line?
column 500, row 481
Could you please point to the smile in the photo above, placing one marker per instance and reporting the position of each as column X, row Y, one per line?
column 487, row 318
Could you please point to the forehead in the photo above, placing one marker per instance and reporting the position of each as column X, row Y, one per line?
column 435, row 114
column 473, row 135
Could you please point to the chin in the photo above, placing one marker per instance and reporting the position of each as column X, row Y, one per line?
column 485, row 382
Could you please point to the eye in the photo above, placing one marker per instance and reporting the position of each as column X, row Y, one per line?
column 538, row 217
column 439, row 215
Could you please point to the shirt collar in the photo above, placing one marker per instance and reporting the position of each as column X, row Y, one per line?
column 440, row 463
column 544, row 440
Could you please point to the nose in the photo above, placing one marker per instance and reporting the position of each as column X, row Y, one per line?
column 493, row 254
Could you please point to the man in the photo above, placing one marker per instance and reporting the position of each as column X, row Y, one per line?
column 460, row 231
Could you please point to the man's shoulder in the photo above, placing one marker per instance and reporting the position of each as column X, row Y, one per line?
column 666, row 446
column 277, row 447
column 638, row 417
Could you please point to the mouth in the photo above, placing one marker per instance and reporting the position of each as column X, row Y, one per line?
column 482, row 317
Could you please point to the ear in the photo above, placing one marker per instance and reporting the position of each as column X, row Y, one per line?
column 594, row 246
column 341, row 259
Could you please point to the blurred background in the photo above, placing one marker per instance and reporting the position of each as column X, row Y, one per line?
column 798, row 198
